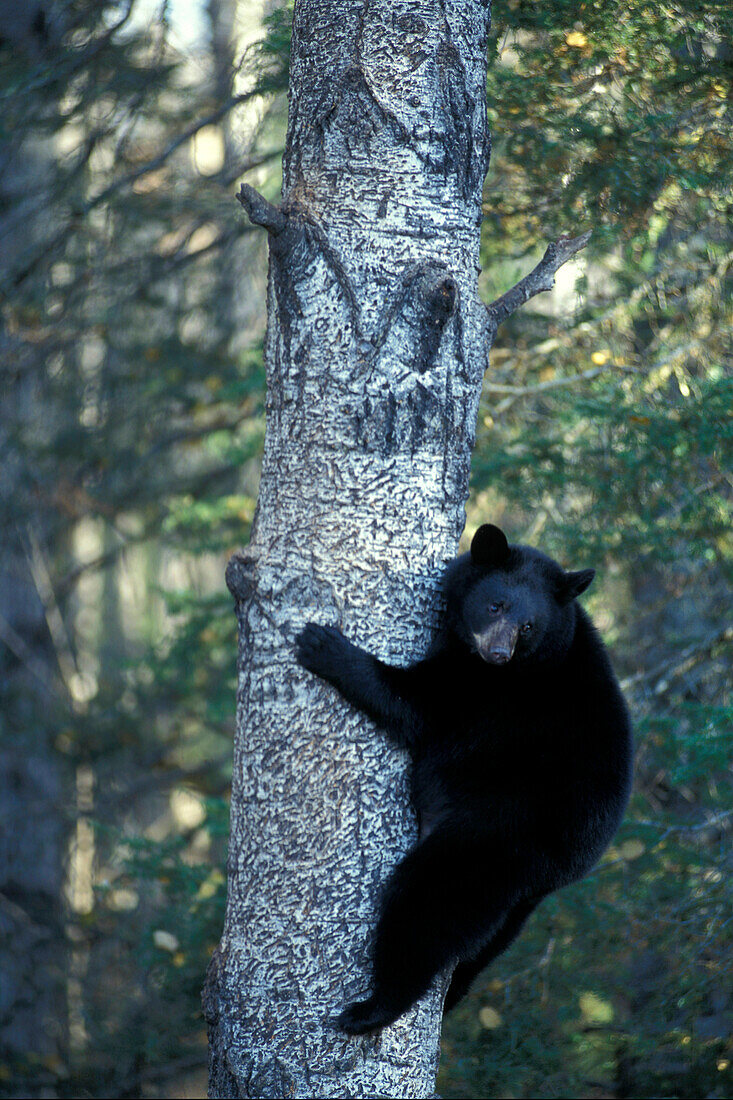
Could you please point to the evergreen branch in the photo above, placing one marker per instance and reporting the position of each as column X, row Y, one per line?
column 164, row 780
column 701, row 826
column 681, row 662
column 76, row 215
column 662, row 280
column 540, row 279
column 551, row 384
column 18, row 647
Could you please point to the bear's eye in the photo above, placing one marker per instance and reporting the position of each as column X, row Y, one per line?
column 526, row 628
column 494, row 607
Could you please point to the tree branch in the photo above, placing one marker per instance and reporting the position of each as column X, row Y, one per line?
column 77, row 214
column 16, row 644
column 551, row 384
column 542, row 278
column 260, row 211
column 680, row 662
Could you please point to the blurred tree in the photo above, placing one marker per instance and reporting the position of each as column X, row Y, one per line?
column 33, row 832
column 128, row 429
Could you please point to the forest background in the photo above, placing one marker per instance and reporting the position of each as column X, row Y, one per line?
column 131, row 423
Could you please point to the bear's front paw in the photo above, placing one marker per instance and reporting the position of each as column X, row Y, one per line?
column 321, row 649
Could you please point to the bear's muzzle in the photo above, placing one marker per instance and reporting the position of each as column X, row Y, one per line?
column 496, row 645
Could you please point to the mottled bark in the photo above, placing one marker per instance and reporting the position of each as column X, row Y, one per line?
column 376, row 347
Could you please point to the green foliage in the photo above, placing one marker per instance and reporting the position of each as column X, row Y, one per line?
column 626, row 101
column 269, row 56
column 157, row 916
column 182, row 889
column 649, row 469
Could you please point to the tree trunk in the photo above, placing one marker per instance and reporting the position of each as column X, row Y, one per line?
column 376, row 347
column 34, row 827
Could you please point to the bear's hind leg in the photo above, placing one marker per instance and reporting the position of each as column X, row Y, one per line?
column 401, row 976
column 433, row 914
column 466, row 971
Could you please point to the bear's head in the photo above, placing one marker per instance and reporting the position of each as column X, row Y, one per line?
column 512, row 603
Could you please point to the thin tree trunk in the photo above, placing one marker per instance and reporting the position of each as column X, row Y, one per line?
column 33, row 781
column 376, row 347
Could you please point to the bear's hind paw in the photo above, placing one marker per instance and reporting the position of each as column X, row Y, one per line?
column 362, row 1017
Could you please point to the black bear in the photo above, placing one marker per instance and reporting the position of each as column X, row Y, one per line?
column 521, row 753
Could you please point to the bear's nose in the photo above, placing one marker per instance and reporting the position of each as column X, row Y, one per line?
column 496, row 646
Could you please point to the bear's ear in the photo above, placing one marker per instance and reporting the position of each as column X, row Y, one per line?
column 572, row 584
column 489, row 546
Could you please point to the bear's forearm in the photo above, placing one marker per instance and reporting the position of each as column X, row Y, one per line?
column 379, row 690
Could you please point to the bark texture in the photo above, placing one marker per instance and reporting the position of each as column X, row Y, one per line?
column 376, row 346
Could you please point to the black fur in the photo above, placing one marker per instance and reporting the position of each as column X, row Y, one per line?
column 521, row 764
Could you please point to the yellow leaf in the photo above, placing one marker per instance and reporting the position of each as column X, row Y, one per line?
column 166, row 941
column 489, row 1018
column 595, row 1010
column 210, row 885
column 576, row 38
column 600, row 357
